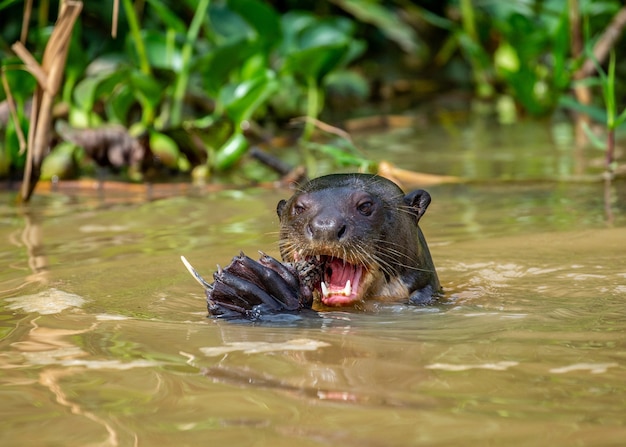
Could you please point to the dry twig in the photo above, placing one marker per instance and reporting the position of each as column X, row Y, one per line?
column 28, row 9
column 116, row 13
column 49, row 76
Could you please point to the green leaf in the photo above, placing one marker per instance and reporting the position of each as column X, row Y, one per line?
column 292, row 24
column 119, row 104
column 621, row 118
column 11, row 150
column 385, row 20
column 228, row 25
column 146, row 88
column 254, row 66
column 218, row 66
column 231, row 151
column 596, row 113
column 348, row 83
column 60, row 162
column 161, row 50
column 21, row 82
column 112, row 81
column 85, row 92
column 81, row 118
column 593, row 138
column 164, row 149
column 261, row 17
column 341, row 156
column 587, row 82
column 204, row 122
column 168, row 17
column 561, row 51
column 506, row 58
column 88, row 91
column 242, row 100
column 326, row 32
column 316, row 62
column 7, row 3
column 434, row 19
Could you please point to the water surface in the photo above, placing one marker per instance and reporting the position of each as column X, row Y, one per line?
column 105, row 340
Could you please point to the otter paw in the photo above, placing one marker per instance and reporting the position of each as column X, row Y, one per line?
column 247, row 288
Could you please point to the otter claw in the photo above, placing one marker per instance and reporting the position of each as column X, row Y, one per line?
column 247, row 288
column 271, row 280
column 288, row 274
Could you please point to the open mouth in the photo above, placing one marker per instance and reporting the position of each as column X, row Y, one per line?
column 338, row 282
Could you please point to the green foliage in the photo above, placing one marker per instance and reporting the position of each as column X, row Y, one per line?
column 533, row 57
column 12, row 155
column 166, row 150
column 209, row 69
column 61, row 163
column 239, row 103
column 530, row 57
column 607, row 82
column 611, row 116
column 234, row 54
column 386, row 20
column 12, row 158
column 521, row 48
column 312, row 49
column 342, row 152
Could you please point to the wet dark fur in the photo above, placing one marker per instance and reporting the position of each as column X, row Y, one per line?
column 324, row 217
column 330, row 225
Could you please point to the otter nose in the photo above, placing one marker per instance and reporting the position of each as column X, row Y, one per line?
column 326, row 228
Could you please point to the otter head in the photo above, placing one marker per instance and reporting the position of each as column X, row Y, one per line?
column 360, row 228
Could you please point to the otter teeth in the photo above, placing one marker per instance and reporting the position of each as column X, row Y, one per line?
column 325, row 291
column 346, row 291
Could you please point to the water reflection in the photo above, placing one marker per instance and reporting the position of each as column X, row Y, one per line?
column 338, row 365
column 480, row 150
column 29, row 237
column 53, row 352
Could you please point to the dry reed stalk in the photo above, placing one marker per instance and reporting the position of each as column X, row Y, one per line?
column 28, row 9
column 49, row 76
column 116, row 13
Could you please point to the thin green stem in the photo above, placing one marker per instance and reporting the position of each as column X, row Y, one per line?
column 182, row 80
column 44, row 9
column 133, row 23
column 610, row 94
column 312, row 107
column 468, row 20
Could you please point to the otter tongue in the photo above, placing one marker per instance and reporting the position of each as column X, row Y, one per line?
column 340, row 273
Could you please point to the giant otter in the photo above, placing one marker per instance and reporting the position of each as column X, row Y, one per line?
column 344, row 239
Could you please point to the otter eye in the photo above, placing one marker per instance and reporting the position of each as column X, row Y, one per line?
column 298, row 209
column 366, row 208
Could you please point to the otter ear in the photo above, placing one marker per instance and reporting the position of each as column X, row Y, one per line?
column 280, row 208
column 418, row 201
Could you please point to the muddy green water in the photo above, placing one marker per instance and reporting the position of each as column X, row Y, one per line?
column 105, row 340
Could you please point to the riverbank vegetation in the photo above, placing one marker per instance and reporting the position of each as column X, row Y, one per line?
column 156, row 90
